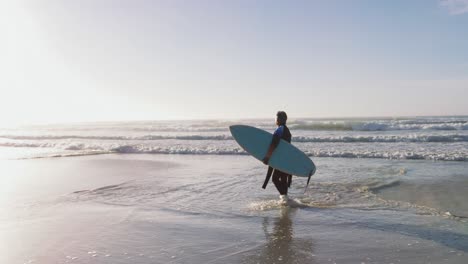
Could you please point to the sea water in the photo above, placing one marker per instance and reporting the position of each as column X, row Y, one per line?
column 422, row 138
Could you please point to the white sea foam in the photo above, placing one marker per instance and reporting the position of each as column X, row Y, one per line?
column 100, row 137
column 206, row 126
column 439, row 138
column 386, row 138
column 379, row 125
column 343, row 139
column 91, row 149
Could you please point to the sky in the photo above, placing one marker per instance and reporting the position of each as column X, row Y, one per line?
column 109, row 60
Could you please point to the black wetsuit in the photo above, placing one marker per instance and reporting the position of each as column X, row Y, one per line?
column 281, row 179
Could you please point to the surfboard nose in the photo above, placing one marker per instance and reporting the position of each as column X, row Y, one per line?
column 235, row 129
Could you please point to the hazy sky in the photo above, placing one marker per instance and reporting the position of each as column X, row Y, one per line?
column 140, row 60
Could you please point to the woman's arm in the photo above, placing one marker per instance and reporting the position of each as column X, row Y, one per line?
column 274, row 143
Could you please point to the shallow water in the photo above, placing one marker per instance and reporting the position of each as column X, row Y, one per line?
column 212, row 209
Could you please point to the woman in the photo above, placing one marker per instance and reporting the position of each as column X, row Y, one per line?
column 281, row 179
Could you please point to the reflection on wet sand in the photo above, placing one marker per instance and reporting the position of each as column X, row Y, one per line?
column 281, row 244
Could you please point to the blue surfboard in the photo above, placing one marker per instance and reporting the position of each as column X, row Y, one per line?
column 286, row 157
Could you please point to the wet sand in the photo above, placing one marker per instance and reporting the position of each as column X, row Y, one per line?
column 205, row 209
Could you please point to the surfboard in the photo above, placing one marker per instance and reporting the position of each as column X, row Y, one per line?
column 286, row 157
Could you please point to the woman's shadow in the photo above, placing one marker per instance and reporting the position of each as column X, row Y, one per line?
column 281, row 244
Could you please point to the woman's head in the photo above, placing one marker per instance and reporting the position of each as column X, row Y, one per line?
column 281, row 118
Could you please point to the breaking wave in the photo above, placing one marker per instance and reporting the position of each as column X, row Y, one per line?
column 430, row 138
column 84, row 149
column 331, row 139
column 380, row 125
column 386, row 139
column 146, row 137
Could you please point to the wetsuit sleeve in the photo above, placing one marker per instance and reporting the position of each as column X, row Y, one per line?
column 277, row 136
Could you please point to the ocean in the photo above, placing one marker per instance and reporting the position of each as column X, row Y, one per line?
column 421, row 138
column 386, row 190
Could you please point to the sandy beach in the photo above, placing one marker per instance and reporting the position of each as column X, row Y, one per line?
column 210, row 209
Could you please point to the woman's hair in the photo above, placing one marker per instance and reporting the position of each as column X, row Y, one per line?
column 281, row 116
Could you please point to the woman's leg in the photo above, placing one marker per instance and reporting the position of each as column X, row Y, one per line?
column 280, row 179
